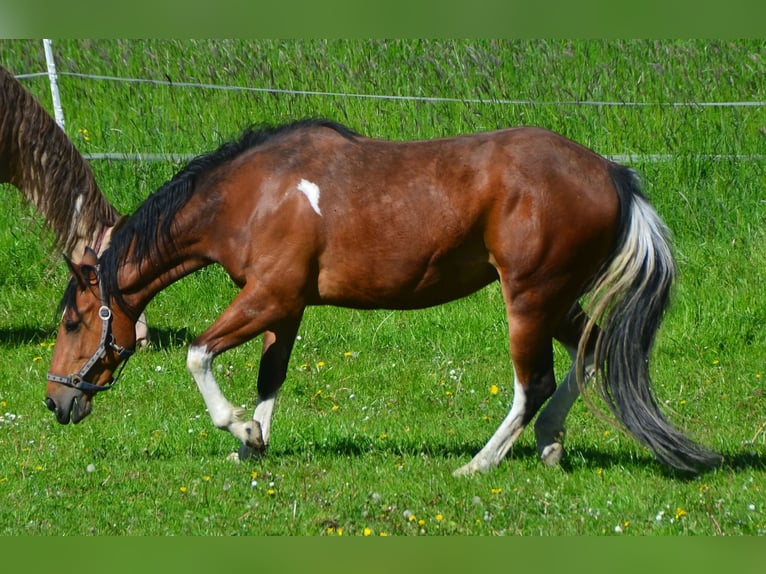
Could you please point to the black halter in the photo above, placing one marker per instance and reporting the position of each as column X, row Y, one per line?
column 77, row 380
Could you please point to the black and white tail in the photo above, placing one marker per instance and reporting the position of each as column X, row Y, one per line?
column 628, row 302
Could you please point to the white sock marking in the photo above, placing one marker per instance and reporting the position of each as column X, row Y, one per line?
column 199, row 362
column 506, row 434
column 263, row 413
column 311, row 191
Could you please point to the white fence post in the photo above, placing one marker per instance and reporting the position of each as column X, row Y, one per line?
column 57, row 110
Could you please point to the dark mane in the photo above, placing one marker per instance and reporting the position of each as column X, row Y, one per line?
column 148, row 230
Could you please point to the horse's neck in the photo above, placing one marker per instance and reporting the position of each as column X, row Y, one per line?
column 140, row 281
column 37, row 157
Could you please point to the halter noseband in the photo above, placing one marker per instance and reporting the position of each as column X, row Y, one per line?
column 77, row 380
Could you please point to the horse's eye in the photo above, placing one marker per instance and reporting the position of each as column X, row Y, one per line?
column 71, row 325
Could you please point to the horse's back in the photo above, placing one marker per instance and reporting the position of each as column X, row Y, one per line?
column 411, row 224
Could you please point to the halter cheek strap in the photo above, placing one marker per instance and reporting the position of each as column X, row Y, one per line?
column 77, row 380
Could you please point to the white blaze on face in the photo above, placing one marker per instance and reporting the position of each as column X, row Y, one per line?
column 311, row 191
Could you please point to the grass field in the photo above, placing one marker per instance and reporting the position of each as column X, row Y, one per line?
column 381, row 406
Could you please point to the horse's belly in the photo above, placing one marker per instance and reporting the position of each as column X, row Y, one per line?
column 397, row 285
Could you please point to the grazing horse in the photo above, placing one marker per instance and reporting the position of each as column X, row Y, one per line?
column 311, row 213
column 37, row 157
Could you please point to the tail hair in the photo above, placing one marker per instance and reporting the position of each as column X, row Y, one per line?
column 628, row 301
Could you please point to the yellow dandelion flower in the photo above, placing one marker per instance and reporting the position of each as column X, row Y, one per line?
column 439, row 517
column 335, row 407
column 383, row 436
column 682, row 402
column 348, row 354
column 412, row 518
column 421, row 522
column 206, row 478
column 271, row 492
column 183, row 490
column 320, row 364
column 36, row 359
column 448, row 393
column 680, row 513
column 3, row 404
column 339, row 532
column 493, row 390
column 383, row 534
column 496, row 490
column 367, row 532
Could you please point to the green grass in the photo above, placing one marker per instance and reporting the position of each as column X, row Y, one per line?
column 380, row 407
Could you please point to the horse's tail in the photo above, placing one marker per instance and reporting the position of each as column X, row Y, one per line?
column 628, row 300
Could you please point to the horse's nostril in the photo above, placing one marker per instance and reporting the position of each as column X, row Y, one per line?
column 50, row 404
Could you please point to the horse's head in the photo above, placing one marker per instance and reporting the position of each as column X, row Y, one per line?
column 94, row 337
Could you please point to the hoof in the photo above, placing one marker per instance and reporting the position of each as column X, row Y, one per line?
column 552, row 453
column 249, row 432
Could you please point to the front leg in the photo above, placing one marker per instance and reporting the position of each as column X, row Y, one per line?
column 277, row 347
column 254, row 311
column 224, row 415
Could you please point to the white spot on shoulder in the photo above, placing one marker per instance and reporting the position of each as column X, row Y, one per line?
column 311, row 191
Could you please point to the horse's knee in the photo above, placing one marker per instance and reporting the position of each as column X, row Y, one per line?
column 198, row 360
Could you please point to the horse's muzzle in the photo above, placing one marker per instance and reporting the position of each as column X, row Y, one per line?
column 74, row 407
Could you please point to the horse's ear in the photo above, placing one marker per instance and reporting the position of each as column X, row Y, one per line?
column 86, row 273
column 89, row 267
column 76, row 272
column 72, row 267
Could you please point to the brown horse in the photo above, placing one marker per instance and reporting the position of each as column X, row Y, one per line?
column 38, row 158
column 312, row 213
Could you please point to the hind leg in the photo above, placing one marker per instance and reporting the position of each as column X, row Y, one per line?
column 549, row 425
column 532, row 354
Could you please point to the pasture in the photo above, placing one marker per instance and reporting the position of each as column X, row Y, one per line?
column 380, row 407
